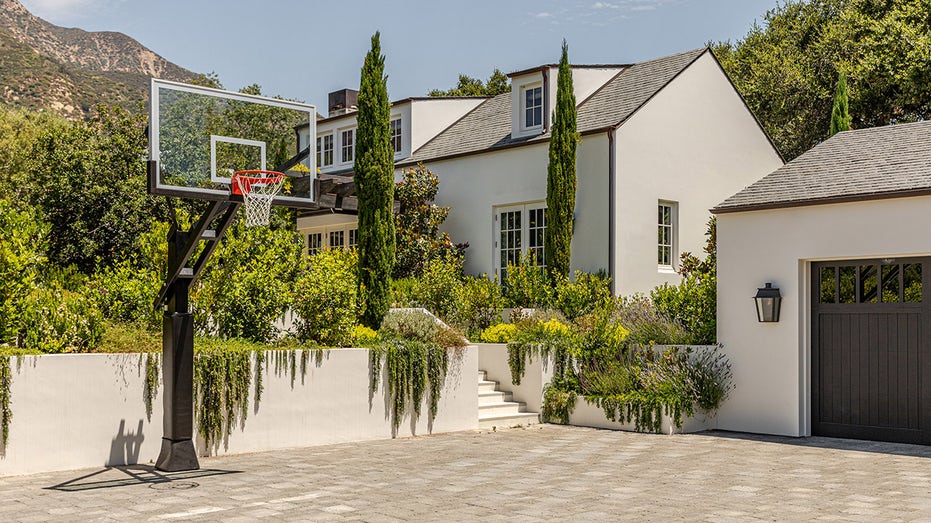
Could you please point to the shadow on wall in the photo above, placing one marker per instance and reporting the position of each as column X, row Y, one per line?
column 125, row 447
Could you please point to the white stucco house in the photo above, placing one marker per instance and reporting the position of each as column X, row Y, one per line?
column 842, row 232
column 662, row 142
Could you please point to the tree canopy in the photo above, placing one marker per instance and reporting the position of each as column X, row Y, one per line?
column 497, row 84
column 786, row 67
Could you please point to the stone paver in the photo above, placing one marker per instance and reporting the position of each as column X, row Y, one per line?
column 540, row 473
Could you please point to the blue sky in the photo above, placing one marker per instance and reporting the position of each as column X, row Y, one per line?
column 304, row 49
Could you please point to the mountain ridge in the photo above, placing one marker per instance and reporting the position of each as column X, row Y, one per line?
column 68, row 70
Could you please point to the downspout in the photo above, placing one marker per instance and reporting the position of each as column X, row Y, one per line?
column 612, row 217
column 546, row 101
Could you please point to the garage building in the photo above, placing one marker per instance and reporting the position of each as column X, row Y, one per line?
column 844, row 231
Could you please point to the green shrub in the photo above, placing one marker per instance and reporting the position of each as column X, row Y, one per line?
column 61, row 321
column 402, row 292
column 583, row 295
column 362, row 336
column 479, row 304
column 438, row 288
column 325, row 298
column 500, row 333
column 21, row 256
column 526, row 285
column 125, row 292
column 693, row 304
column 247, row 283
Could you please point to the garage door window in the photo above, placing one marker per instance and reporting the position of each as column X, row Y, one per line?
column 872, row 283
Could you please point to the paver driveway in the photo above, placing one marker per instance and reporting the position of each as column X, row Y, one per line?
column 533, row 474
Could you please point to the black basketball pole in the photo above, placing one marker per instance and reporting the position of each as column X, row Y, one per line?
column 178, row 451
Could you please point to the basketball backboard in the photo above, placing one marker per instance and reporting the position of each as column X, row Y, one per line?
column 198, row 137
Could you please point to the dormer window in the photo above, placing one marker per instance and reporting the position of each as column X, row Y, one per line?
column 396, row 135
column 533, row 106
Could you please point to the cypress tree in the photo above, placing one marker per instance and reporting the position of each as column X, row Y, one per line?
column 840, row 116
column 560, row 179
column 374, row 178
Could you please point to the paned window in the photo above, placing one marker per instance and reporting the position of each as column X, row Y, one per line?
column 520, row 233
column 314, row 243
column 665, row 234
column 347, row 146
column 325, row 150
column 396, row 135
column 533, row 107
column 337, row 239
column 353, row 238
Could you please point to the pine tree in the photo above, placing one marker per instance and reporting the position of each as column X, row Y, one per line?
column 560, row 179
column 374, row 178
column 840, row 116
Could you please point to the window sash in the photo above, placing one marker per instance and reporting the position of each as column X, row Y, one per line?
column 396, row 134
column 327, row 151
column 533, row 107
column 348, row 147
column 664, row 235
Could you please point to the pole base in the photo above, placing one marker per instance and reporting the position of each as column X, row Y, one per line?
column 177, row 456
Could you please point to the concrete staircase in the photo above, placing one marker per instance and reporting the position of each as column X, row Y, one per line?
column 495, row 408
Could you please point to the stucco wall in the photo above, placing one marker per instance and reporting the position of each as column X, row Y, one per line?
column 694, row 143
column 771, row 360
column 74, row 411
column 473, row 185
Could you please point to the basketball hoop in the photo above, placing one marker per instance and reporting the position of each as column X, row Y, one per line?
column 258, row 189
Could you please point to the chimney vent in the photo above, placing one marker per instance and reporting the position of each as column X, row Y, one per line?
column 343, row 101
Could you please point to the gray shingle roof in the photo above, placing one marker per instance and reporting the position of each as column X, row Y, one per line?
column 488, row 126
column 880, row 162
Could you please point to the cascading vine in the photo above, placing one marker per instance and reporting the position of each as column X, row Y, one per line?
column 6, row 382
column 151, row 361
column 414, row 370
column 221, row 388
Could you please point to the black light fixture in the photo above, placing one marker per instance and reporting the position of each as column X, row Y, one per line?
column 768, row 300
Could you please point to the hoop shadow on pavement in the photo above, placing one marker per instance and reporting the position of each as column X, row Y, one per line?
column 823, row 442
column 133, row 475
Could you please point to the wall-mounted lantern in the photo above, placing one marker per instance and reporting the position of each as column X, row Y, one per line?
column 768, row 300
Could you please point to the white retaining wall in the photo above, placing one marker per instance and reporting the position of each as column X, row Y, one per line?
column 76, row 411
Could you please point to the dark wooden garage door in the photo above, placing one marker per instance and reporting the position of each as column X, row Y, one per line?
column 871, row 356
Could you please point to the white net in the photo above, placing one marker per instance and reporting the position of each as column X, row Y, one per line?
column 258, row 190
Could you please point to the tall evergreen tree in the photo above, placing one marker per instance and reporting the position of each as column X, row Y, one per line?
column 560, row 179
column 374, row 178
column 840, row 115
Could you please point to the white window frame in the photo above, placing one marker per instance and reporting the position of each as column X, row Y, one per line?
column 397, row 135
column 673, row 227
column 322, row 149
column 524, row 107
column 349, row 232
column 342, row 145
column 319, row 235
column 524, row 233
